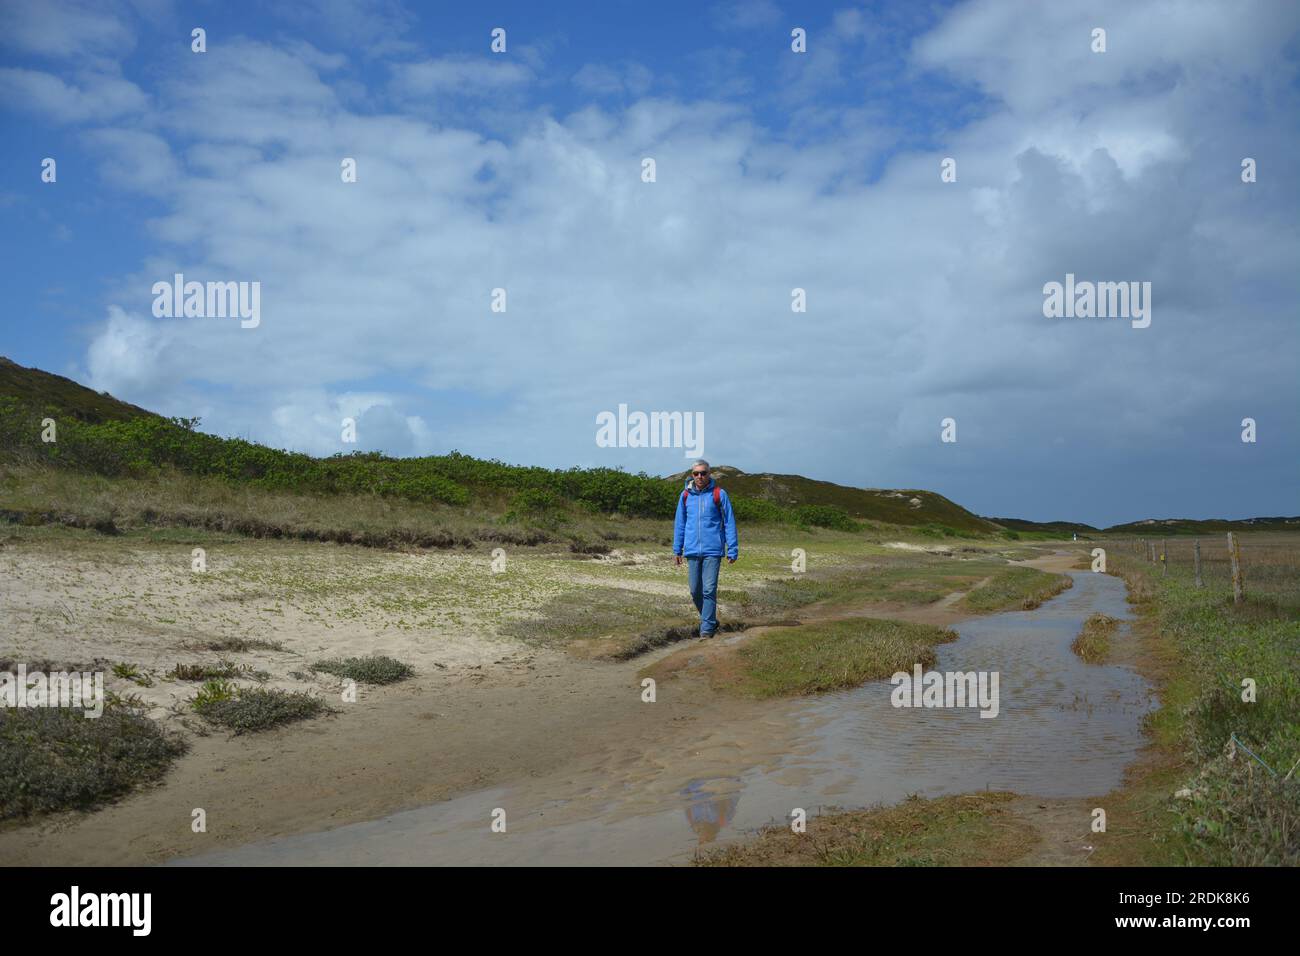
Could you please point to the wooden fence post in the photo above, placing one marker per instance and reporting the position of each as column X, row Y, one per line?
column 1164, row 556
column 1238, row 584
column 1196, row 556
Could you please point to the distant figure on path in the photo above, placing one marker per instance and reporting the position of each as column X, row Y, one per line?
column 704, row 531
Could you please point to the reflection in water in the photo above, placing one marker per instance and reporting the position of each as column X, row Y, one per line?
column 1065, row 728
column 707, row 811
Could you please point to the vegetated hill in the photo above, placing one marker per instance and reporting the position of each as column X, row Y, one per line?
column 99, row 434
column 1166, row 526
column 1063, row 528
column 46, row 391
column 891, row 506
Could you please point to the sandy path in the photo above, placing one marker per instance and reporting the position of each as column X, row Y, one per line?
column 481, row 713
column 416, row 744
column 482, row 710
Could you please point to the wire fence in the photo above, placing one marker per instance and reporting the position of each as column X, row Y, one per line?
column 1267, row 563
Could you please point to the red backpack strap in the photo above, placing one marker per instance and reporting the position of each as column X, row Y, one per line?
column 717, row 496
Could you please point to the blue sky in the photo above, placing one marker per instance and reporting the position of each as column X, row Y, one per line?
column 775, row 170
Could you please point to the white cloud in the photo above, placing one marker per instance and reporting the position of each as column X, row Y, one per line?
column 632, row 78
column 65, row 28
column 924, row 298
column 98, row 96
column 135, row 161
column 1039, row 57
column 462, row 74
column 126, row 357
column 746, row 14
column 378, row 26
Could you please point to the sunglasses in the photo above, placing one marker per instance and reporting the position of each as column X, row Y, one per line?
column 698, row 473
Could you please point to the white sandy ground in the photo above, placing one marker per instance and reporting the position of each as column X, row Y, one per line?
column 483, row 709
column 908, row 546
column 148, row 608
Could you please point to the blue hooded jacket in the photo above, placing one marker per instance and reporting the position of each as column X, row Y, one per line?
column 701, row 529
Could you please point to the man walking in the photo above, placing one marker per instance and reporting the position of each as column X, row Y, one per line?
column 705, row 530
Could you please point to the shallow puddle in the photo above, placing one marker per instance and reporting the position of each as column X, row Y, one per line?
column 1064, row 729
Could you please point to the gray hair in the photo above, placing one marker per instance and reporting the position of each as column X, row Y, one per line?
column 701, row 461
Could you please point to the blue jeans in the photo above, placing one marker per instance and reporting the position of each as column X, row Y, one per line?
column 702, row 573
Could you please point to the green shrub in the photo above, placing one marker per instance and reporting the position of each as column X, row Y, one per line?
column 213, row 692
column 56, row 758
column 221, row 670
column 132, row 673
column 535, row 501
column 367, row 670
column 252, row 710
column 937, row 531
column 825, row 516
column 758, row 510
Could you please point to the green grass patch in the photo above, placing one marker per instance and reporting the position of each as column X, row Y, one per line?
column 912, row 582
column 1093, row 642
column 977, row 829
column 1016, row 589
column 1238, row 811
column 835, row 655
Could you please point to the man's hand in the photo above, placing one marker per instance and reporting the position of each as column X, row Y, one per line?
column 678, row 559
column 732, row 560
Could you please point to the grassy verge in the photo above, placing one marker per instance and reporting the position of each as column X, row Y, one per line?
column 1093, row 642
column 40, row 494
column 975, row 829
column 1016, row 589
column 1232, row 810
column 827, row 656
column 54, row 758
